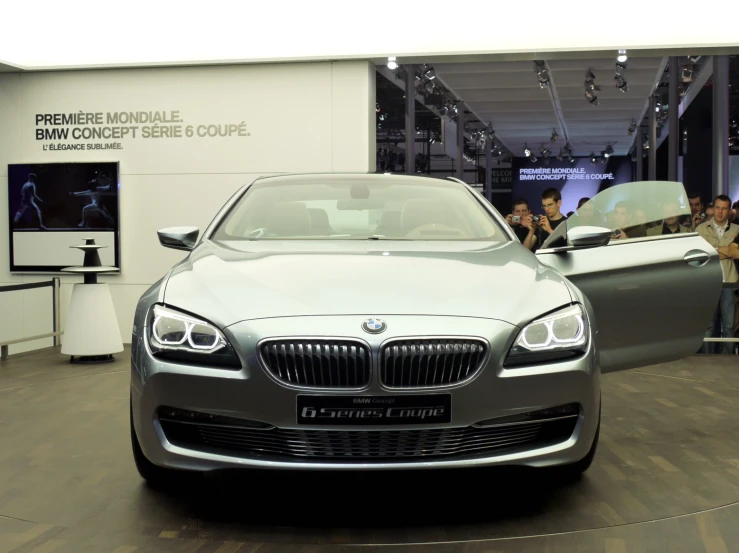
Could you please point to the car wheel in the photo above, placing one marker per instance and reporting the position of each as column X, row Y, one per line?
column 155, row 476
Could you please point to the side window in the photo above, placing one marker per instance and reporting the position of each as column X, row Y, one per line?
column 633, row 211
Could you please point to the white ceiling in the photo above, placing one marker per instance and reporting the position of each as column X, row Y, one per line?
column 508, row 95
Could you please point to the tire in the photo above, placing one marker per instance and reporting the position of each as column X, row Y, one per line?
column 155, row 476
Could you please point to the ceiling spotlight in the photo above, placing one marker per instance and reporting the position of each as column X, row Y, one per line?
column 533, row 159
column 560, row 155
column 593, row 159
column 542, row 73
column 555, row 136
column 687, row 75
column 544, row 152
column 608, row 152
column 603, row 160
column 428, row 73
column 592, row 98
column 572, row 159
column 694, row 59
column 568, row 147
column 621, row 83
column 632, row 127
column 622, row 57
column 590, row 81
column 620, row 66
column 526, row 151
column 391, row 63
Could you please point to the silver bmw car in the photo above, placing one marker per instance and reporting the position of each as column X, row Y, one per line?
column 380, row 321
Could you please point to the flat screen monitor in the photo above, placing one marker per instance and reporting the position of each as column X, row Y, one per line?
column 54, row 206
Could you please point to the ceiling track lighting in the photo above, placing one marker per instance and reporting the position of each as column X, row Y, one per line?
column 542, row 73
column 621, row 83
column 608, row 152
column 391, row 63
column 554, row 136
column 632, row 127
column 593, row 159
column 560, row 155
column 526, row 150
column 622, row 57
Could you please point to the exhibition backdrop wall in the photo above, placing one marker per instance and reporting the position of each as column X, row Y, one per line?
column 185, row 139
column 574, row 180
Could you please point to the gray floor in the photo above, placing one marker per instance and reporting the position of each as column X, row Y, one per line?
column 666, row 478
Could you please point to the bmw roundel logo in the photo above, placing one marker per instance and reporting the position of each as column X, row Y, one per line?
column 374, row 326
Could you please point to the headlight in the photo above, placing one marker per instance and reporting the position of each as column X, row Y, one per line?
column 559, row 335
column 179, row 337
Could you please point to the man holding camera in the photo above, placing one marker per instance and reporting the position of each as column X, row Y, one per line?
column 523, row 223
column 697, row 215
column 720, row 234
column 551, row 203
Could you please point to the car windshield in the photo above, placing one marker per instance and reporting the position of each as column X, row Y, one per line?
column 370, row 208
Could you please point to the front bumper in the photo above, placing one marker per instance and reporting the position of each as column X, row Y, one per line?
column 251, row 394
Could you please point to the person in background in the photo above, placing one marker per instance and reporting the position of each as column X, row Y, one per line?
column 551, row 203
column 709, row 212
column 623, row 219
column 640, row 217
column 523, row 225
column 720, row 234
column 670, row 223
column 697, row 216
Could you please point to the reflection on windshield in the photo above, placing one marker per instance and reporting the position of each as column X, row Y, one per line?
column 631, row 210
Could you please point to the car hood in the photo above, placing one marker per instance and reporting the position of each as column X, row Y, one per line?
column 230, row 282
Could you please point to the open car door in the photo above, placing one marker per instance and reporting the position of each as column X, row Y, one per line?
column 653, row 292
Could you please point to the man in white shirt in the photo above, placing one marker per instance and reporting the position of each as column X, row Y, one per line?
column 720, row 233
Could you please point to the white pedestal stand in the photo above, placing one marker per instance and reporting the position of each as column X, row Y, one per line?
column 91, row 332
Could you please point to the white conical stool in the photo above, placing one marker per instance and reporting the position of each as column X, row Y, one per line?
column 91, row 332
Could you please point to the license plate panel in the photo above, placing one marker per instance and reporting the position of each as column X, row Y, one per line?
column 365, row 410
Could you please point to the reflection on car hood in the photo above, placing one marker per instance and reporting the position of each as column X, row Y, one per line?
column 235, row 281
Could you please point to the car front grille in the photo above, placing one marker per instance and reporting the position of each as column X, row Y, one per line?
column 362, row 445
column 429, row 362
column 317, row 363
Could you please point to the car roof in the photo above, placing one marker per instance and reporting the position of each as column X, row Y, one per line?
column 297, row 177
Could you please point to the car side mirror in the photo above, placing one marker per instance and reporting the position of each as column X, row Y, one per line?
column 179, row 238
column 588, row 237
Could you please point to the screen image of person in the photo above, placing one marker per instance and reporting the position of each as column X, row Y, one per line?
column 522, row 222
column 28, row 206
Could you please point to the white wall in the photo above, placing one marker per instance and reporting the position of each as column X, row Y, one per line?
column 307, row 117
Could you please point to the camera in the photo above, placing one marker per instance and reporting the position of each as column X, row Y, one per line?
column 537, row 218
column 701, row 215
column 516, row 219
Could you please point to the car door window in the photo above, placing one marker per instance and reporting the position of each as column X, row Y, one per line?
column 633, row 211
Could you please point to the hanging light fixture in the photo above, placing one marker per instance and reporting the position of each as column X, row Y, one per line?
column 391, row 63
